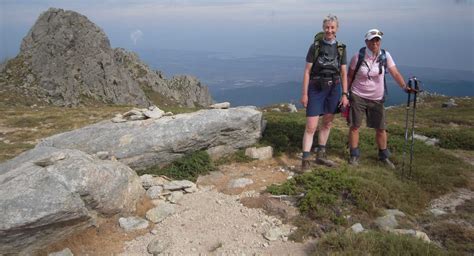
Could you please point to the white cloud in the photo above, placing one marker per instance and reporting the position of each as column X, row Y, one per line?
column 136, row 36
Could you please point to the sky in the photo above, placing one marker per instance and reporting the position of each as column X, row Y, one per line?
column 423, row 33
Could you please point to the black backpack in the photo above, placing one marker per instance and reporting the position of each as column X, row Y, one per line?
column 318, row 38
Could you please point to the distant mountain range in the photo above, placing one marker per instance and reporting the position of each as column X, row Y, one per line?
column 264, row 80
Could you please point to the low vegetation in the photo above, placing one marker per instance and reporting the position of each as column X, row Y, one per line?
column 339, row 197
column 188, row 167
column 374, row 243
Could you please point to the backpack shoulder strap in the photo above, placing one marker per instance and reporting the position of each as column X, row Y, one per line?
column 359, row 63
column 317, row 43
column 340, row 50
column 383, row 61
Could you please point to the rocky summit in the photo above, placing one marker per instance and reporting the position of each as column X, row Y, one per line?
column 66, row 60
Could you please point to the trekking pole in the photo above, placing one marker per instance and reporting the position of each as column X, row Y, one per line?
column 417, row 89
column 406, row 128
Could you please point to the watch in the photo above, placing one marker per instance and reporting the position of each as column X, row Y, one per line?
column 345, row 93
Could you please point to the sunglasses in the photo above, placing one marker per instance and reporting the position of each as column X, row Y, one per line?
column 373, row 33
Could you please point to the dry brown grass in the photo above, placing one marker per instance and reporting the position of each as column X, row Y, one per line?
column 22, row 127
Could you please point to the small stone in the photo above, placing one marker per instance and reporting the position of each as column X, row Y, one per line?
column 262, row 153
column 133, row 223
column 394, row 212
column 51, row 159
column 159, row 245
column 386, row 222
column 192, row 189
column 175, row 197
column 223, row 105
column 239, row 183
column 357, row 228
column 292, row 108
column 154, row 192
column 273, row 234
column 438, row 212
column 423, row 236
column 154, row 113
column 178, row 185
column 160, row 212
column 137, row 117
column 65, row 252
column 103, row 155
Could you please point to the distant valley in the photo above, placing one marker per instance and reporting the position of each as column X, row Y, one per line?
column 264, row 80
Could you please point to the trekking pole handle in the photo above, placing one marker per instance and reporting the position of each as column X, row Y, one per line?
column 417, row 85
column 413, row 85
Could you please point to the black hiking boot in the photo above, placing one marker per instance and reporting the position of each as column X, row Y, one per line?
column 322, row 159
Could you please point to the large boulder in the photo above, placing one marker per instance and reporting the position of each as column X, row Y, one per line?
column 47, row 194
column 145, row 143
column 65, row 59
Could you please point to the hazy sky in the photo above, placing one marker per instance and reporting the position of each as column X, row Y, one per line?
column 428, row 33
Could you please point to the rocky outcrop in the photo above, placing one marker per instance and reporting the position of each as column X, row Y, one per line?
column 67, row 60
column 66, row 181
column 144, row 143
column 182, row 90
column 47, row 194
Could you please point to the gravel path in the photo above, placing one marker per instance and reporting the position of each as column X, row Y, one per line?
column 212, row 223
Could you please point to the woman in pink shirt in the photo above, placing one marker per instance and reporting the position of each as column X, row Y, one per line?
column 367, row 86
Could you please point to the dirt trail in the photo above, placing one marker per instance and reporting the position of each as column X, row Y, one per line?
column 216, row 220
column 213, row 221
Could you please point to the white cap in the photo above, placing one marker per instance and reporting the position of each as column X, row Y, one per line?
column 373, row 33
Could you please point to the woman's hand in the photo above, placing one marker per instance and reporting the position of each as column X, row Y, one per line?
column 344, row 101
column 304, row 100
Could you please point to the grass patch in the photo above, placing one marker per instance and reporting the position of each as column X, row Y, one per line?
column 452, row 126
column 456, row 238
column 326, row 192
column 23, row 126
column 237, row 157
column 374, row 243
column 284, row 132
column 188, row 167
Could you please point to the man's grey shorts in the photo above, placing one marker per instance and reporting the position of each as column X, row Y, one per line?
column 373, row 110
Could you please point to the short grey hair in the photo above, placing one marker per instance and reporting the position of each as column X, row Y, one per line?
column 331, row 18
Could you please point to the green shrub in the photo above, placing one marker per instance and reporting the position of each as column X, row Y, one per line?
column 374, row 243
column 325, row 193
column 284, row 131
column 188, row 167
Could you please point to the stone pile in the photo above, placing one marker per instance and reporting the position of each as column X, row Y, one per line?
column 222, row 105
column 152, row 112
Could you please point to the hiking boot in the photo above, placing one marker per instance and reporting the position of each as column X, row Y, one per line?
column 305, row 165
column 387, row 163
column 322, row 159
column 354, row 160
